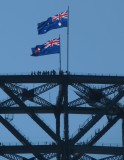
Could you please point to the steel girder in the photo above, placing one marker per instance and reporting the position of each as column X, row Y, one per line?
column 13, row 157
column 95, row 138
column 87, row 157
column 61, row 79
column 75, row 102
column 21, row 92
column 58, row 149
column 98, row 134
column 93, row 95
column 18, row 135
column 95, row 119
column 52, row 110
column 38, row 90
column 31, row 114
column 113, row 158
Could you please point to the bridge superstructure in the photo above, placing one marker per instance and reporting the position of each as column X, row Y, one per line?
column 97, row 96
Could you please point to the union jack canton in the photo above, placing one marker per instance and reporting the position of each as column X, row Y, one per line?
column 53, row 42
column 60, row 16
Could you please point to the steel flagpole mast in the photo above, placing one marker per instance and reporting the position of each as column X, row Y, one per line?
column 68, row 43
column 60, row 55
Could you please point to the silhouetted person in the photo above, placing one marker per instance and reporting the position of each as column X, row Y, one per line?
column 54, row 72
column 31, row 73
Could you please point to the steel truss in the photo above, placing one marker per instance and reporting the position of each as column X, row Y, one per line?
column 95, row 95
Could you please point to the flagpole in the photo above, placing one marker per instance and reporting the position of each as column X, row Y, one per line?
column 68, row 43
column 60, row 56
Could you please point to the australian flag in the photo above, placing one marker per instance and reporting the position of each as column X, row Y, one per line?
column 50, row 47
column 58, row 21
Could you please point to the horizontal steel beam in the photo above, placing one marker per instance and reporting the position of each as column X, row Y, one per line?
column 98, row 150
column 51, row 110
column 59, row 149
column 29, row 149
column 61, row 79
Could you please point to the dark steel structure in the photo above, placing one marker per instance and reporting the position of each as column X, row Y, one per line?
column 97, row 96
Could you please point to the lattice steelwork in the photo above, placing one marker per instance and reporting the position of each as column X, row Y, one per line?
column 97, row 96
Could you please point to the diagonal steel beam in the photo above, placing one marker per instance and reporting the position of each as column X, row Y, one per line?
column 18, row 135
column 96, row 118
column 15, row 132
column 76, row 102
column 37, row 90
column 15, row 88
column 82, row 88
column 13, row 157
column 101, row 132
column 43, row 88
column 101, row 92
column 47, row 156
column 120, row 157
column 111, row 89
column 98, row 135
column 87, row 157
column 31, row 113
column 38, row 100
column 20, row 92
column 105, row 101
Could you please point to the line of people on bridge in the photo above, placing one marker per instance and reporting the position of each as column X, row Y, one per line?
column 53, row 72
